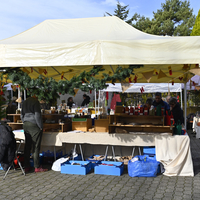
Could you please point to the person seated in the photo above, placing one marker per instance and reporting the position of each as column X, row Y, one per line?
column 176, row 110
column 158, row 101
column 70, row 102
column 86, row 100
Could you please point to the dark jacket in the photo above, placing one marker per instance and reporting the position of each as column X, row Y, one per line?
column 7, row 146
column 31, row 112
column 178, row 113
column 163, row 104
column 70, row 104
column 86, row 101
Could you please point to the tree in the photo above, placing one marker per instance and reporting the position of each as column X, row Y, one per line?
column 175, row 18
column 196, row 27
column 121, row 12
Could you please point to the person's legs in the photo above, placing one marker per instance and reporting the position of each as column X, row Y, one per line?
column 27, row 146
column 37, row 138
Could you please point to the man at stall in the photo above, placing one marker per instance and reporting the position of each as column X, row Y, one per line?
column 33, row 130
column 159, row 102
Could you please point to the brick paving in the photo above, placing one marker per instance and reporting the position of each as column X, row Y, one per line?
column 53, row 185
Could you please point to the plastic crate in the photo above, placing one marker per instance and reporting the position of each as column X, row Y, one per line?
column 1, row 167
column 109, row 168
column 83, row 167
column 93, row 161
column 151, row 151
column 41, row 160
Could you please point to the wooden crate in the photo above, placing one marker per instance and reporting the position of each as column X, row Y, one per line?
column 101, row 125
column 82, row 125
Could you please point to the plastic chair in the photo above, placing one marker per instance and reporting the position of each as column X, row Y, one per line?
column 19, row 142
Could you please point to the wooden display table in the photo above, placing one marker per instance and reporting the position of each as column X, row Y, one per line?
column 138, row 123
column 53, row 126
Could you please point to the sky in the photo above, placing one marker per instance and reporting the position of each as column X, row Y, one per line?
column 18, row 16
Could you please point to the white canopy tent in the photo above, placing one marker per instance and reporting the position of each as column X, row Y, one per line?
column 94, row 41
column 78, row 44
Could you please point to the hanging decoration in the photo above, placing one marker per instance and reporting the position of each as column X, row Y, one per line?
column 161, row 74
column 142, row 89
column 135, row 79
column 129, row 80
column 148, row 75
column 186, row 67
column 172, row 81
column 75, row 92
column 48, row 89
column 156, row 71
column 170, row 70
column 31, row 69
column 125, row 86
column 62, row 75
column 180, row 78
column 14, row 87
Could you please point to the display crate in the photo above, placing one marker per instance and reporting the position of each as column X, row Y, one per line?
column 81, row 124
column 151, row 151
column 109, row 168
column 79, row 167
column 101, row 125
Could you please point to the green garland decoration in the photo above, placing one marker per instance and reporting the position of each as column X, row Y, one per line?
column 48, row 89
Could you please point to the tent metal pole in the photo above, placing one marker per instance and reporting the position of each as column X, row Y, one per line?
column 18, row 97
column 185, row 105
column 24, row 95
column 95, row 103
column 98, row 102
column 181, row 93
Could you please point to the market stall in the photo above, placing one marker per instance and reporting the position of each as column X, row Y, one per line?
column 65, row 48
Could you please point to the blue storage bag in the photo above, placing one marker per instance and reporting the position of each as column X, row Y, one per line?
column 143, row 166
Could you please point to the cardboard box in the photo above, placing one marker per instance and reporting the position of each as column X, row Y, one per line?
column 81, row 124
column 119, row 109
column 109, row 168
column 101, row 125
column 76, row 167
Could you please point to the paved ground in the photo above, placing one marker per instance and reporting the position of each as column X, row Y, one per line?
column 53, row 185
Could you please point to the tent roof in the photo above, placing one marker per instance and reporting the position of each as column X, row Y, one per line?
column 78, row 44
column 148, row 87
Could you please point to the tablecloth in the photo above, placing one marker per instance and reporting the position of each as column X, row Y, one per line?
column 174, row 153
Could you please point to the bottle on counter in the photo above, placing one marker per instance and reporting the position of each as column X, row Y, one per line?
column 131, row 110
column 127, row 110
column 136, row 110
column 146, row 111
column 141, row 110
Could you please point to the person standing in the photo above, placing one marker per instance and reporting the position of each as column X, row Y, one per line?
column 70, row 102
column 159, row 102
column 86, row 100
column 33, row 130
column 176, row 110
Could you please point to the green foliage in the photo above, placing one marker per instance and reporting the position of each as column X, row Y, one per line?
column 196, row 27
column 175, row 18
column 48, row 89
column 121, row 12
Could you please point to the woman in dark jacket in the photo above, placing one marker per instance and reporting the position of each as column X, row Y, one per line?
column 176, row 110
column 70, row 102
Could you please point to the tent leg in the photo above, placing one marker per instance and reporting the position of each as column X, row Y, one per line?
column 185, row 105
